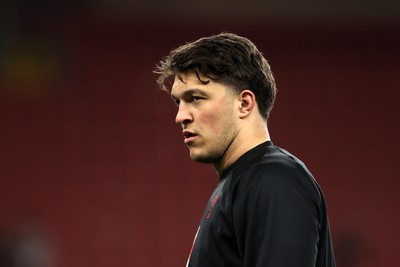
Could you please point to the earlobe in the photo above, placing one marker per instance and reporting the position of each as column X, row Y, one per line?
column 247, row 102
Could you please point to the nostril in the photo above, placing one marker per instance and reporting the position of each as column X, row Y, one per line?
column 183, row 118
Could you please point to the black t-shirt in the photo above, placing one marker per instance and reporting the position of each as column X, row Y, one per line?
column 268, row 211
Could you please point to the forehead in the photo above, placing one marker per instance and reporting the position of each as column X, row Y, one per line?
column 190, row 81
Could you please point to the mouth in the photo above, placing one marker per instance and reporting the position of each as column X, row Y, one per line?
column 188, row 136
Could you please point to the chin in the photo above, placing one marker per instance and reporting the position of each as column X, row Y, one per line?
column 204, row 158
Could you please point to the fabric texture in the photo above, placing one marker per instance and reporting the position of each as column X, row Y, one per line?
column 267, row 210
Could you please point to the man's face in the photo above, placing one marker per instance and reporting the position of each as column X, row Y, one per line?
column 206, row 113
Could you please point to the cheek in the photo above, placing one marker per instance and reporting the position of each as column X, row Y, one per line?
column 209, row 120
column 215, row 120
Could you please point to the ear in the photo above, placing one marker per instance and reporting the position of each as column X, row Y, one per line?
column 247, row 103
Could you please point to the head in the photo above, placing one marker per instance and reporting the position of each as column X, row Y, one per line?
column 224, row 90
column 228, row 59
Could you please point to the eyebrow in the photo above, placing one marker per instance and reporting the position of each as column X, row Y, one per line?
column 189, row 93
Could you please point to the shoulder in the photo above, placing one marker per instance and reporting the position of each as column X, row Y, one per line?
column 277, row 172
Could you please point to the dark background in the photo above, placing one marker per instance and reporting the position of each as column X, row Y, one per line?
column 90, row 153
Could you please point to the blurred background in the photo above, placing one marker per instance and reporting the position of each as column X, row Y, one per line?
column 92, row 162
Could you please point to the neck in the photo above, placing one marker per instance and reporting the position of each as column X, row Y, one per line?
column 240, row 145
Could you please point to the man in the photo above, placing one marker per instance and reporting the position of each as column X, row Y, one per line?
column 267, row 209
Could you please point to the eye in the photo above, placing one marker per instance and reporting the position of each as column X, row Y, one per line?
column 196, row 98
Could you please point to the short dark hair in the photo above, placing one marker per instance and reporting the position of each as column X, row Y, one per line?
column 226, row 58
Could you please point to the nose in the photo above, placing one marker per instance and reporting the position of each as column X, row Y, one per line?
column 183, row 116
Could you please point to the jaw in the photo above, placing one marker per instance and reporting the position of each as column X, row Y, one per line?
column 205, row 153
column 218, row 154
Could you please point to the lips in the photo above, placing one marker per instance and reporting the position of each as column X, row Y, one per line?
column 188, row 136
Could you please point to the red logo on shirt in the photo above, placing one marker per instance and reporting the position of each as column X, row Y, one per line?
column 213, row 201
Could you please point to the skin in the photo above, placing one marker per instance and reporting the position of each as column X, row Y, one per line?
column 218, row 125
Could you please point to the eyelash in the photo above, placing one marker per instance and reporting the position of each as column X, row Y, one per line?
column 196, row 98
